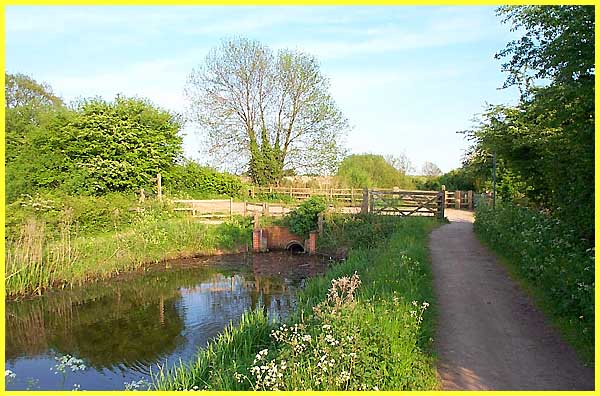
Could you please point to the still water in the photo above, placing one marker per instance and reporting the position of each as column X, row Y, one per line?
column 123, row 328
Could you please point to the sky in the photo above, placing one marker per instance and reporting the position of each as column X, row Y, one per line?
column 407, row 78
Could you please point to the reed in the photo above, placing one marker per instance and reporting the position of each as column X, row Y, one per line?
column 36, row 262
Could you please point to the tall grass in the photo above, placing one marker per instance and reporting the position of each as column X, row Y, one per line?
column 35, row 261
column 551, row 262
column 379, row 338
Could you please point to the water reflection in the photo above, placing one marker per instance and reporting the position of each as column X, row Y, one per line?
column 122, row 328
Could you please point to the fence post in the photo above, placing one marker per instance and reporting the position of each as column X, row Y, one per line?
column 230, row 208
column 445, row 195
column 371, row 202
column 364, row 206
column 159, row 186
column 470, row 199
column 320, row 223
column 245, row 208
column 265, row 209
column 441, row 201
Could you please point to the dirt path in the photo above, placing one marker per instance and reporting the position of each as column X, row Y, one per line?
column 490, row 337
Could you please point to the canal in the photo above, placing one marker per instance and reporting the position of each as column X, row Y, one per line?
column 124, row 328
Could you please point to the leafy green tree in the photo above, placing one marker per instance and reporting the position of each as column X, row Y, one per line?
column 266, row 112
column 31, row 108
column 117, row 146
column 370, row 170
column 94, row 148
column 547, row 140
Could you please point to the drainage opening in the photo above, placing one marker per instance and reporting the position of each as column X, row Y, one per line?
column 295, row 247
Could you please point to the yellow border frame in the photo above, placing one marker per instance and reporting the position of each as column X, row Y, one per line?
column 282, row 3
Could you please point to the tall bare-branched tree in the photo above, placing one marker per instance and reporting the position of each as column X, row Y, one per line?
column 264, row 112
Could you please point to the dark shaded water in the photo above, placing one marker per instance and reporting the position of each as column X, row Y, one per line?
column 123, row 328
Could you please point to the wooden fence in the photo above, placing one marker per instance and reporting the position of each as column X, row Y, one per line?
column 378, row 201
column 206, row 208
column 346, row 196
column 266, row 209
column 404, row 203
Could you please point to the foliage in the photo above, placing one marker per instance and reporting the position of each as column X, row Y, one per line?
column 549, row 256
column 461, row 179
column 37, row 260
column 30, row 109
column 370, row 170
column 95, row 148
column 303, row 219
column 85, row 214
column 117, row 146
column 378, row 339
column 266, row 112
column 22, row 91
column 362, row 231
column 558, row 44
column 192, row 180
column 546, row 142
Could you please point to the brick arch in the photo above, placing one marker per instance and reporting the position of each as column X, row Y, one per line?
column 280, row 238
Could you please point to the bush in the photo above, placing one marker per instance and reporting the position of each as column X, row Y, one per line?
column 303, row 219
column 369, row 170
column 552, row 261
column 195, row 181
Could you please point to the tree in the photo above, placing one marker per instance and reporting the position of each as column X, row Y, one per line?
column 546, row 142
column 370, row 170
column 117, row 146
column 400, row 162
column 430, row 169
column 22, row 91
column 28, row 106
column 31, row 108
column 266, row 112
column 94, row 148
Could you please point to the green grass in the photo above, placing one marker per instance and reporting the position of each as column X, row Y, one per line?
column 383, row 332
column 551, row 263
column 36, row 262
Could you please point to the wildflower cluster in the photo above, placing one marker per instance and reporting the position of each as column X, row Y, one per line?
column 550, row 257
column 9, row 376
column 341, row 292
column 137, row 385
column 268, row 375
column 68, row 362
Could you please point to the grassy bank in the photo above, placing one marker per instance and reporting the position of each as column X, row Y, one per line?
column 551, row 262
column 364, row 325
column 68, row 243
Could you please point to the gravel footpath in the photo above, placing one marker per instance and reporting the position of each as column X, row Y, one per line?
column 489, row 334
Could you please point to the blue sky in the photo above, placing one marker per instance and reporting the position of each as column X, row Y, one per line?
column 407, row 78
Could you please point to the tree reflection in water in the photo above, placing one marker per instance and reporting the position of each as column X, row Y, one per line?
column 126, row 325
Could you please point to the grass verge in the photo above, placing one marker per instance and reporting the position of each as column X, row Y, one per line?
column 36, row 262
column 551, row 263
column 364, row 325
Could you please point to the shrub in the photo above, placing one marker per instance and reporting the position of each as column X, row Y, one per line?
column 303, row 219
column 195, row 181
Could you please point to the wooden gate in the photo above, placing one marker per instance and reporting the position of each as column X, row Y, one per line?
column 404, row 202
